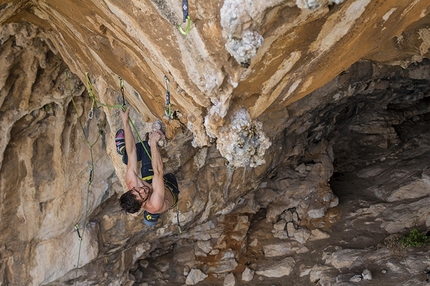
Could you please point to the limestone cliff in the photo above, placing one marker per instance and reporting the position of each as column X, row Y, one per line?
column 298, row 132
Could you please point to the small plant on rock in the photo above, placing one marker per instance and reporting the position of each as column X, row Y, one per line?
column 414, row 238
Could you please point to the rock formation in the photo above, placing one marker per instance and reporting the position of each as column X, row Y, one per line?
column 298, row 132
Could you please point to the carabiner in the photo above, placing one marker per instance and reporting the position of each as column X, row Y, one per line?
column 188, row 27
column 168, row 112
column 90, row 114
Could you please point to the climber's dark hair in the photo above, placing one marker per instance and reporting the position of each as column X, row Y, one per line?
column 129, row 203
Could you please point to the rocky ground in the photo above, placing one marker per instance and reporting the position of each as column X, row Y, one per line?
column 356, row 250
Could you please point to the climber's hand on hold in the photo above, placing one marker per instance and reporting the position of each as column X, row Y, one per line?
column 124, row 115
column 155, row 136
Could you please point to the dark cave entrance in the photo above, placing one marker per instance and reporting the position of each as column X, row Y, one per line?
column 381, row 131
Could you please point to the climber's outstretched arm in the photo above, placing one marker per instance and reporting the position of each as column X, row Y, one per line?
column 157, row 198
column 131, row 177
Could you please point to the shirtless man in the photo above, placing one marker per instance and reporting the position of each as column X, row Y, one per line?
column 152, row 191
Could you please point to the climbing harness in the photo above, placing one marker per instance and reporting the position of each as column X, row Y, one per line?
column 175, row 204
column 186, row 18
column 147, row 178
column 167, row 108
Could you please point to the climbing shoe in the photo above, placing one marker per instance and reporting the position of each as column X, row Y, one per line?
column 150, row 219
column 120, row 141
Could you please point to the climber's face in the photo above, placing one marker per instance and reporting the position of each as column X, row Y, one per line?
column 142, row 193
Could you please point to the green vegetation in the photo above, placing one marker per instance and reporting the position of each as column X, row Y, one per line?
column 414, row 238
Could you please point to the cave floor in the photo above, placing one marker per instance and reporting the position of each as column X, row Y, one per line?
column 347, row 231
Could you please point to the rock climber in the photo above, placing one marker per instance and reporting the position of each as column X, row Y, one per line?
column 153, row 192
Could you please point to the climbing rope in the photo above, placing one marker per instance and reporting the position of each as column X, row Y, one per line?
column 93, row 97
column 90, row 146
column 123, row 107
column 186, row 18
column 91, row 176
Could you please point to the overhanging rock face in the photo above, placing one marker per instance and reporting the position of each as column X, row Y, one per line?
column 284, row 46
column 233, row 79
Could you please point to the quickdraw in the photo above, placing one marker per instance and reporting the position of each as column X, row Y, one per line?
column 121, row 87
column 77, row 230
column 91, row 93
column 167, row 108
column 186, row 18
column 124, row 108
